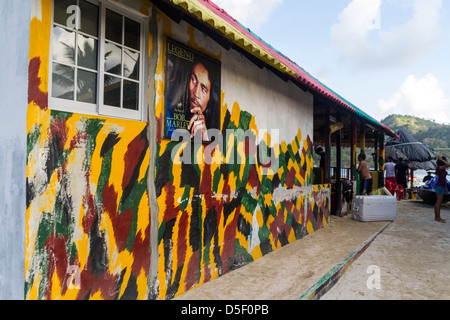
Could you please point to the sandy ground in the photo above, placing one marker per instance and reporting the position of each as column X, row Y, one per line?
column 289, row 272
column 412, row 256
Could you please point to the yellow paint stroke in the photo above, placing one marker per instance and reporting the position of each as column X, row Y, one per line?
column 40, row 42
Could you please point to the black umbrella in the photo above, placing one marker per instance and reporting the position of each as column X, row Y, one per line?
column 427, row 165
column 409, row 148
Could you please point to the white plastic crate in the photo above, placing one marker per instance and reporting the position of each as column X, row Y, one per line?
column 374, row 208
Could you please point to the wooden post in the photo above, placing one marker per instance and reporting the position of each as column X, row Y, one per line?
column 381, row 159
column 327, row 177
column 338, row 174
column 412, row 184
column 362, row 140
column 354, row 141
column 382, row 153
column 376, row 154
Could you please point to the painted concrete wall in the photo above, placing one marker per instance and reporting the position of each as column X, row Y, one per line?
column 110, row 215
column 14, row 35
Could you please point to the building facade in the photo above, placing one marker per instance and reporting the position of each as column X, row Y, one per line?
column 112, row 201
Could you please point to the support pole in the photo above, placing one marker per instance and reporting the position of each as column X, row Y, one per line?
column 354, row 141
column 362, row 139
column 327, row 177
column 376, row 154
column 338, row 174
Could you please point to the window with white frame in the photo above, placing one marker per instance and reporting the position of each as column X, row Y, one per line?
column 97, row 59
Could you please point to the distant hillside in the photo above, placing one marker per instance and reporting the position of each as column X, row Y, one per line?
column 430, row 133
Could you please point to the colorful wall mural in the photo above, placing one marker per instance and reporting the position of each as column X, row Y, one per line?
column 217, row 218
column 87, row 207
column 88, row 216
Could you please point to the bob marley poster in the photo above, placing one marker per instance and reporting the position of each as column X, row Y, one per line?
column 192, row 92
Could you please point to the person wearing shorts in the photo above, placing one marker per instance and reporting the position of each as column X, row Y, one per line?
column 366, row 186
column 366, row 177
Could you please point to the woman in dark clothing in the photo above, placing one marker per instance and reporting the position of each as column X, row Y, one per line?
column 440, row 187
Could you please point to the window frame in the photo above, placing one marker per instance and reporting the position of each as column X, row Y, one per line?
column 99, row 108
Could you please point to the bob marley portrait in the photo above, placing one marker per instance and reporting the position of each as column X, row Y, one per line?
column 192, row 91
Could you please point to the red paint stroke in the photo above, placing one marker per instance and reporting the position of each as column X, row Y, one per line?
column 59, row 128
column 78, row 140
column 183, row 226
column 205, row 183
column 296, row 213
column 121, row 223
column 105, row 283
column 229, row 239
column 319, row 222
column 206, row 189
column 290, row 178
column 131, row 158
column 207, row 271
column 278, row 226
column 171, row 212
column 34, row 81
column 303, row 175
column 309, row 142
column 192, row 271
column 57, row 262
column 289, row 205
column 141, row 253
column 253, row 180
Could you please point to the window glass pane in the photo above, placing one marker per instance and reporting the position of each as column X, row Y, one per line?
column 130, row 95
column 112, row 91
column 89, row 18
column 132, row 34
column 87, row 86
column 131, row 68
column 113, row 59
column 61, row 15
column 113, row 26
column 63, row 45
column 87, row 52
column 63, row 82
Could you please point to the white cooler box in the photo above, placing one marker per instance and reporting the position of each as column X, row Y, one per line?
column 374, row 208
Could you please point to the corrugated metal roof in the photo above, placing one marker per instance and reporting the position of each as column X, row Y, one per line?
column 219, row 19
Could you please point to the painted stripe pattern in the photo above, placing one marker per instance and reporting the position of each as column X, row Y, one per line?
column 87, row 207
column 219, row 217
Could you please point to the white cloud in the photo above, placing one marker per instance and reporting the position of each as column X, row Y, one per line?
column 251, row 13
column 422, row 98
column 361, row 41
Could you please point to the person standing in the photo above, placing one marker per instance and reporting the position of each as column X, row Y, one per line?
column 440, row 187
column 319, row 150
column 390, row 175
column 366, row 177
column 401, row 174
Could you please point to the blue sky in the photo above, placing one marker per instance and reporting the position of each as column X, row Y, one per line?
column 385, row 56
